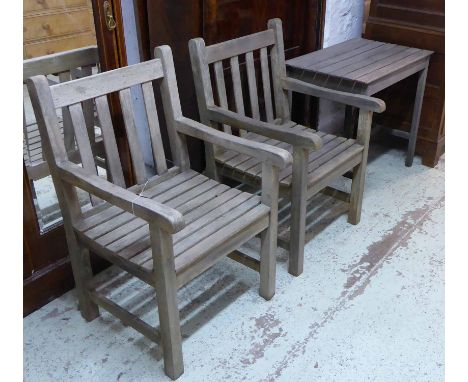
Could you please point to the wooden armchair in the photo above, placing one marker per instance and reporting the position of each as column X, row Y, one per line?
column 169, row 228
column 318, row 158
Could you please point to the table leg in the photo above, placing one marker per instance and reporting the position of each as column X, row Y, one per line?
column 349, row 121
column 416, row 116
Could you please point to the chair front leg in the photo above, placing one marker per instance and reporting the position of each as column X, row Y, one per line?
column 270, row 186
column 298, row 210
column 166, row 295
column 359, row 172
column 82, row 273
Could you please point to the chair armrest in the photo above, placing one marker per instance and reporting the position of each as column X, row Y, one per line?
column 278, row 132
column 360, row 101
column 266, row 153
column 169, row 219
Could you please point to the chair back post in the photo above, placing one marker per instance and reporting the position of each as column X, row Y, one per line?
column 204, row 93
column 172, row 108
column 278, row 69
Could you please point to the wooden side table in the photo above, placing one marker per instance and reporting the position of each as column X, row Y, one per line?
column 366, row 67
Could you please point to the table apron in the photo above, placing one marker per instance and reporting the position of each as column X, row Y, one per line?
column 393, row 78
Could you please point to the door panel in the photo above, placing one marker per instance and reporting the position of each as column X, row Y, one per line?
column 419, row 24
column 175, row 23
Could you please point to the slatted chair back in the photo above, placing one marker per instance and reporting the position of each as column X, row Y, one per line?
column 73, row 94
column 262, row 53
column 69, row 65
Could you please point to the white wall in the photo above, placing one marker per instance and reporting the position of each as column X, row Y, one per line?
column 343, row 21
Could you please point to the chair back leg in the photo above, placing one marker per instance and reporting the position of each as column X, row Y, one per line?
column 359, row 172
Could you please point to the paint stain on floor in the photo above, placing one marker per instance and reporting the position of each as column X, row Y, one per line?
column 369, row 305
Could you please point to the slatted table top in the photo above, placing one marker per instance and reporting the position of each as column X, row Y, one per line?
column 358, row 61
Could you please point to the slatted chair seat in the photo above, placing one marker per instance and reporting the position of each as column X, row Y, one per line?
column 169, row 227
column 212, row 211
column 335, row 152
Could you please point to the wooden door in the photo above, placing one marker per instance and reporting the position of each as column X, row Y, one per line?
column 419, row 24
column 176, row 22
column 46, row 267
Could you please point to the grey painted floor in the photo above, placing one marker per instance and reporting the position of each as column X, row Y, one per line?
column 369, row 306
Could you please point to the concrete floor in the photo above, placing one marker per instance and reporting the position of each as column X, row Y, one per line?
column 368, row 307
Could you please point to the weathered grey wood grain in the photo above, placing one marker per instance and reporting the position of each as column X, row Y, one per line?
column 113, row 81
column 329, row 64
column 172, row 108
column 239, row 46
column 204, row 92
column 318, row 158
column 126, row 317
column 266, row 84
column 351, row 67
column 278, row 69
column 153, row 124
column 298, row 211
column 237, row 87
column 252, row 81
column 360, row 61
column 173, row 227
column 60, row 62
column 363, row 74
column 54, row 150
column 268, row 237
column 171, row 220
column 416, row 115
column 359, row 173
column 110, row 144
column 83, row 142
column 128, row 113
column 166, row 295
column 356, row 100
column 221, row 87
column 311, row 59
column 277, row 157
column 68, row 134
column 267, row 129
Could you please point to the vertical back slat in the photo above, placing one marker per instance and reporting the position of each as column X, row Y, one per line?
column 130, row 128
column 154, row 129
column 221, row 87
column 252, row 81
column 237, row 86
column 88, row 108
column 266, row 84
column 82, row 141
column 278, row 67
column 110, row 145
column 68, row 135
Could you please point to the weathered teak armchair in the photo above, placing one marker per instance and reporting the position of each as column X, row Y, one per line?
column 319, row 158
column 169, row 228
column 66, row 65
